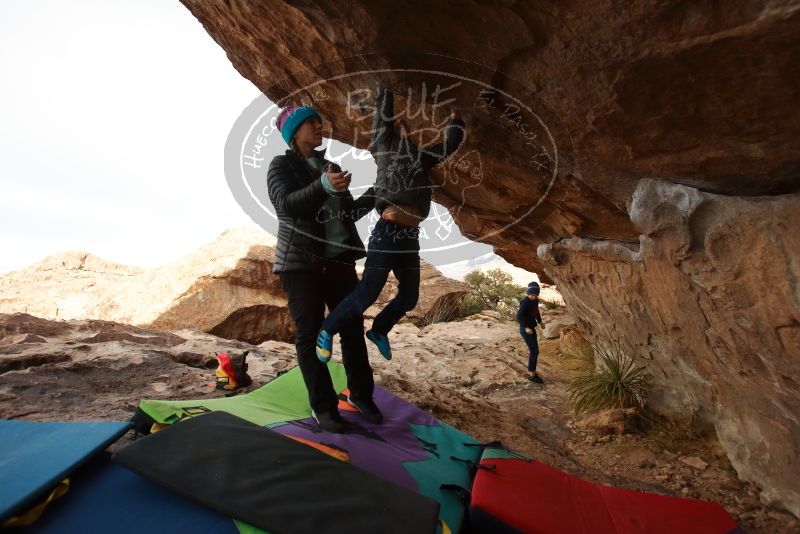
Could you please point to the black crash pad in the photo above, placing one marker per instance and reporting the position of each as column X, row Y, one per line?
column 273, row 482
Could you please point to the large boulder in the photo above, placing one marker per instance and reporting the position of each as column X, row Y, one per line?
column 569, row 106
column 555, row 321
column 439, row 297
column 226, row 287
column 709, row 299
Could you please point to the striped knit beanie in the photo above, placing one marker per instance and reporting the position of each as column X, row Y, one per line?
column 291, row 118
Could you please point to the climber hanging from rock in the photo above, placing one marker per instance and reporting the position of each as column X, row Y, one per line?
column 403, row 199
column 529, row 318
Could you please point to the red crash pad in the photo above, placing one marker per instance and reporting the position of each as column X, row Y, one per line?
column 514, row 494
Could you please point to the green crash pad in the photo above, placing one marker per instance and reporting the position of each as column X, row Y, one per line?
column 283, row 399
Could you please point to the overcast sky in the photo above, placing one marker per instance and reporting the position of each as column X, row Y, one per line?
column 114, row 119
column 114, row 115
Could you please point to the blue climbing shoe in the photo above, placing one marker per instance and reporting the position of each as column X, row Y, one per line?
column 382, row 342
column 324, row 346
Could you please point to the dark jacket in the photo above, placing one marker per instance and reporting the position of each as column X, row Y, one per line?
column 528, row 314
column 402, row 166
column 298, row 197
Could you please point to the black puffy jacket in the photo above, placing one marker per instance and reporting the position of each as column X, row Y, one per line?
column 298, row 196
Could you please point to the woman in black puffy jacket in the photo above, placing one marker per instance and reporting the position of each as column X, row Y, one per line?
column 315, row 256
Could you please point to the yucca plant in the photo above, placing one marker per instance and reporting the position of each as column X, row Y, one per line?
column 616, row 382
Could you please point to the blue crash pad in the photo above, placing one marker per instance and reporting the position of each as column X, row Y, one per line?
column 34, row 457
column 106, row 497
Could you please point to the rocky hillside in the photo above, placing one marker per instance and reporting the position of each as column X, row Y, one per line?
column 225, row 288
column 649, row 147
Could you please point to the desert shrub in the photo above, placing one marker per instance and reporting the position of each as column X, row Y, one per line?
column 616, row 381
column 472, row 305
column 446, row 308
column 492, row 290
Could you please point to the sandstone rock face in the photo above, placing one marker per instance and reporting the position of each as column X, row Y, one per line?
column 709, row 299
column 226, row 287
column 614, row 421
column 610, row 93
column 92, row 369
column 439, row 297
column 555, row 321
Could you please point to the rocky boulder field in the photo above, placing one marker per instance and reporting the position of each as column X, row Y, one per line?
column 469, row 373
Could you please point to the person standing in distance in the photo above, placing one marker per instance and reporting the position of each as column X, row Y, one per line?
column 529, row 318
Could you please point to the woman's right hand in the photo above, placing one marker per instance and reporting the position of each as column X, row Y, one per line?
column 340, row 180
column 528, row 330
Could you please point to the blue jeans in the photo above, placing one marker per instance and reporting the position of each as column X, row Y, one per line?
column 392, row 247
column 533, row 347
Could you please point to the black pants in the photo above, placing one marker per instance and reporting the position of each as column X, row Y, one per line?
column 533, row 347
column 308, row 293
column 392, row 247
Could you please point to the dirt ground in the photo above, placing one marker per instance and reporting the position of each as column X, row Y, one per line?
column 538, row 420
column 470, row 374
